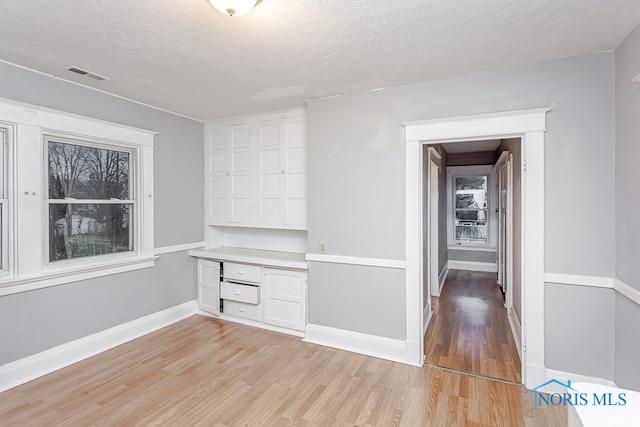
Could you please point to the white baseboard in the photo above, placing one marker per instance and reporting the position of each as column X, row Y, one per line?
column 443, row 276
column 516, row 329
column 563, row 377
column 21, row 371
column 473, row 266
column 534, row 375
column 370, row 345
column 427, row 314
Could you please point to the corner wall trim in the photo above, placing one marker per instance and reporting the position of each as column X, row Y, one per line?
column 443, row 276
column 632, row 293
column 178, row 248
column 573, row 279
column 351, row 260
column 370, row 345
column 595, row 282
column 29, row 368
column 472, row 266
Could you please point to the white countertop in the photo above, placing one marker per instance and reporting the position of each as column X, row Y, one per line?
column 253, row 256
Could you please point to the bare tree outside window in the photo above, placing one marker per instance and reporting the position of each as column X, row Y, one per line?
column 90, row 206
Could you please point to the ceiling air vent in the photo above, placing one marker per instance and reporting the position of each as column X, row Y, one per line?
column 87, row 73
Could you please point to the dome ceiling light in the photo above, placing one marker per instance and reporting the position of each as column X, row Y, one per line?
column 234, row 7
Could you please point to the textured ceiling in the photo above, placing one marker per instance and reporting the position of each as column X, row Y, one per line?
column 185, row 57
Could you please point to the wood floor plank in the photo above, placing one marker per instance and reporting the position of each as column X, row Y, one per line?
column 469, row 330
column 207, row 372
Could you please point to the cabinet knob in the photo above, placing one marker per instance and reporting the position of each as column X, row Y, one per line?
column 237, row 292
column 242, row 310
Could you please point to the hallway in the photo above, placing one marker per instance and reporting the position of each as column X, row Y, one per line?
column 470, row 331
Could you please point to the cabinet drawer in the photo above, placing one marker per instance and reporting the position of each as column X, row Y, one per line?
column 241, row 272
column 242, row 293
column 246, row 311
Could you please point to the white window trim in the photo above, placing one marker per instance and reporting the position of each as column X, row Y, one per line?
column 7, row 138
column 28, row 269
column 455, row 171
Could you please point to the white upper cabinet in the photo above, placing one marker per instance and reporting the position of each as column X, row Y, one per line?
column 257, row 171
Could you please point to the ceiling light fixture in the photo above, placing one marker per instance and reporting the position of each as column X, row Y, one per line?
column 234, row 7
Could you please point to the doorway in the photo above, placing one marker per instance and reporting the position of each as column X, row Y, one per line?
column 529, row 125
column 470, row 329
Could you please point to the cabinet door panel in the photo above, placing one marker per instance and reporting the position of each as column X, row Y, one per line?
column 241, row 185
column 218, row 140
column 297, row 158
column 241, row 161
column 241, row 137
column 296, row 131
column 296, row 184
column 208, row 286
column 218, row 162
column 286, row 298
column 270, row 134
column 218, row 208
column 240, row 210
column 270, row 160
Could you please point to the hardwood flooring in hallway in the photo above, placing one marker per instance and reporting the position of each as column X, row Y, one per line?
column 470, row 331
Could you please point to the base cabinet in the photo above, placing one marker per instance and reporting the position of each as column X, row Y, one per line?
column 209, row 286
column 285, row 298
column 267, row 290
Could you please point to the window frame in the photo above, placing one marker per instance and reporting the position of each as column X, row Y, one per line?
column 454, row 172
column 7, row 133
column 134, row 192
column 28, row 181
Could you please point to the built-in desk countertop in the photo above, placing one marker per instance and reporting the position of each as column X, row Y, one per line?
column 253, row 256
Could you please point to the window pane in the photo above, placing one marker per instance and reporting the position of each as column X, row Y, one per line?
column 83, row 172
column 471, row 192
column 471, row 225
column 80, row 230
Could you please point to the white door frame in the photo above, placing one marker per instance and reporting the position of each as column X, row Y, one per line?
column 504, row 165
column 530, row 126
column 434, row 285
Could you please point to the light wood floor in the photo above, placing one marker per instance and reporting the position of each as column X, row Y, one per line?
column 208, row 372
column 469, row 330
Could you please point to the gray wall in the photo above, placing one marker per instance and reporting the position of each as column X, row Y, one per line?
column 371, row 300
column 589, row 315
column 474, row 158
column 37, row 320
column 357, row 172
column 627, row 207
column 472, row 256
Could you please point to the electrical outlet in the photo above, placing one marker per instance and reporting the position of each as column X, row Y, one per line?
column 322, row 248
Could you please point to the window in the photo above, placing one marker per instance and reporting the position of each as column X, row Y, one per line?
column 90, row 200
column 469, row 209
column 76, row 198
column 470, row 219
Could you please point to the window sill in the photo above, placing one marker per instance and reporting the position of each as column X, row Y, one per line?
column 55, row 277
column 472, row 247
